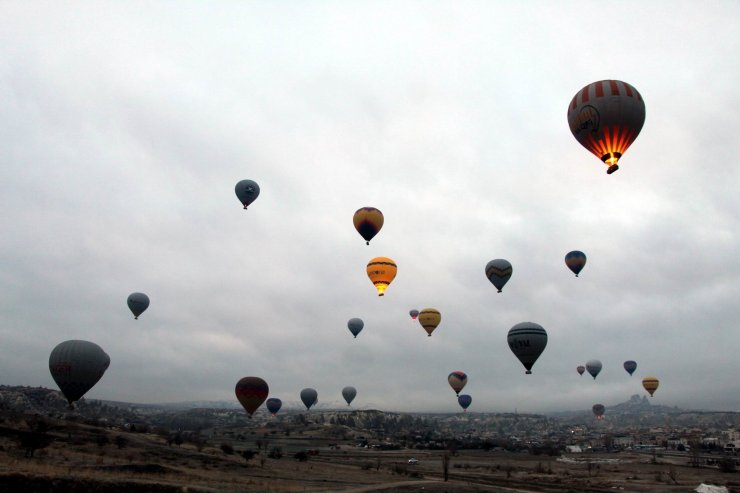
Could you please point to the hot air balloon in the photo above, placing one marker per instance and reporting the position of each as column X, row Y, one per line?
column 368, row 221
column 575, row 261
column 464, row 400
column 598, row 410
column 457, row 380
column 630, row 366
column 251, row 392
column 76, row 366
column 137, row 303
column 605, row 117
column 355, row 325
column 498, row 271
column 273, row 405
column 650, row 384
column 309, row 397
column 580, row 369
column 593, row 367
column 527, row 340
column 381, row 271
column 414, row 313
column 247, row 191
column 349, row 394
column 429, row 318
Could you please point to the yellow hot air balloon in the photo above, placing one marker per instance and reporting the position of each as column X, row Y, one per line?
column 429, row 318
column 368, row 221
column 650, row 384
column 381, row 271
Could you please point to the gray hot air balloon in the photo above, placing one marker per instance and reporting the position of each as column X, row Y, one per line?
column 247, row 192
column 498, row 271
column 137, row 303
column 349, row 394
column 527, row 340
column 355, row 325
column 309, row 397
column 593, row 367
column 76, row 366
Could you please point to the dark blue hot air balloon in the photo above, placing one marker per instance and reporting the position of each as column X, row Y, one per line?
column 630, row 366
column 464, row 400
column 273, row 405
column 355, row 325
column 575, row 261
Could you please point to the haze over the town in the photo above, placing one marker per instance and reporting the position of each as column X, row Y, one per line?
column 125, row 126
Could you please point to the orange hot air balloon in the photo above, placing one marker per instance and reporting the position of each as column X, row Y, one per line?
column 368, row 221
column 381, row 271
column 429, row 318
column 650, row 384
column 605, row 117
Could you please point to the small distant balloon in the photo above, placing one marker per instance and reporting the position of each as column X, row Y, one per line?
column 575, row 261
column 349, row 394
column 368, row 221
column 273, row 405
column 650, row 384
column 251, row 392
column 355, row 325
column 137, row 303
column 630, row 366
column 76, row 366
column 498, row 271
column 309, row 397
column 527, row 341
column 381, row 271
column 464, row 400
column 598, row 410
column 593, row 367
column 247, row 192
column 580, row 369
column 429, row 318
column 457, row 380
column 414, row 313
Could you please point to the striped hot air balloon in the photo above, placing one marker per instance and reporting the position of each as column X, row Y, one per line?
column 368, row 221
column 605, row 117
column 457, row 380
column 498, row 271
column 527, row 340
column 576, row 261
column 650, row 384
column 381, row 271
column 429, row 318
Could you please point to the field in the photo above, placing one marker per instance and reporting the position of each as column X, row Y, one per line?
column 74, row 457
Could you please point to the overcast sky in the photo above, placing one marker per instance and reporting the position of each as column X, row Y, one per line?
column 124, row 127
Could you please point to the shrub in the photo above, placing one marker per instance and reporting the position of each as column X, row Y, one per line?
column 227, row 449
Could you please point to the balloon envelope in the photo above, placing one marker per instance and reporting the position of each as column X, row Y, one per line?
column 457, row 380
column 137, row 303
column 593, row 367
column 76, row 366
column 349, row 394
column 605, row 117
column 527, row 340
column 650, row 384
column 247, row 192
column 273, row 405
column 464, row 400
column 251, row 392
column 381, row 271
column 368, row 221
column 598, row 410
column 429, row 318
column 309, row 397
column 498, row 271
column 630, row 366
column 355, row 325
column 575, row 261
column 414, row 313
column 580, row 369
